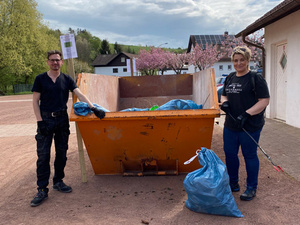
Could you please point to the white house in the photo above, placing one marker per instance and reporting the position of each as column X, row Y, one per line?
column 282, row 60
column 224, row 65
column 112, row 64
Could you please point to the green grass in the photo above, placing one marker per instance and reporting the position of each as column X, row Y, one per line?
column 136, row 49
column 24, row 93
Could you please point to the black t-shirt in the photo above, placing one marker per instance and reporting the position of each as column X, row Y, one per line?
column 54, row 96
column 241, row 96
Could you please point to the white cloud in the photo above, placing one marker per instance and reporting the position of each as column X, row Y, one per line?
column 153, row 22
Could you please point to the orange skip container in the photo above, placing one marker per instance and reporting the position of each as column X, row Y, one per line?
column 147, row 142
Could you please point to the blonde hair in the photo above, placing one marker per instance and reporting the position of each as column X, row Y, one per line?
column 243, row 50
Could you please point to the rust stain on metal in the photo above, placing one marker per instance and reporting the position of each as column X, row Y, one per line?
column 149, row 125
column 164, row 140
column 178, row 133
column 125, row 155
column 144, row 133
column 171, row 124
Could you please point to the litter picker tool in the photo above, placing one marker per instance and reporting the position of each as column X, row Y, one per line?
column 276, row 167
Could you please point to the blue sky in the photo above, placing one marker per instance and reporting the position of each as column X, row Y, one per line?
column 153, row 22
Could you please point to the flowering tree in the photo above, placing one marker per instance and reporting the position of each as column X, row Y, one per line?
column 149, row 62
column 204, row 58
column 176, row 62
column 256, row 54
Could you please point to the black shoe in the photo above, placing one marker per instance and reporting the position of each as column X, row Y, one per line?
column 39, row 197
column 248, row 195
column 62, row 187
column 235, row 187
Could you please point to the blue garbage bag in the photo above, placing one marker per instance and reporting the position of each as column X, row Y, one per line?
column 134, row 109
column 179, row 104
column 208, row 188
column 171, row 105
column 82, row 108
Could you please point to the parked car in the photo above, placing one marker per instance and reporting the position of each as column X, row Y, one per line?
column 219, row 91
column 220, row 82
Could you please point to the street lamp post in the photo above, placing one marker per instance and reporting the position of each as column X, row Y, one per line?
column 162, row 44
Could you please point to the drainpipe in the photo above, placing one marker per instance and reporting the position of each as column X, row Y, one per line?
column 263, row 54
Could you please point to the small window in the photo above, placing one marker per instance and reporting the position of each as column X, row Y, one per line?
column 115, row 70
column 220, row 67
column 283, row 61
column 229, row 67
column 122, row 59
column 124, row 70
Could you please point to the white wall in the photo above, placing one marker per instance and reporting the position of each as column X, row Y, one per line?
column 216, row 66
column 109, row 71
column 171, row 72
column 285, row 30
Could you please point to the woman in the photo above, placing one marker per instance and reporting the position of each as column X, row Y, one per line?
column 244, row 99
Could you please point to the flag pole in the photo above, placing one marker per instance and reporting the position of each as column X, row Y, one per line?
column 71, row 72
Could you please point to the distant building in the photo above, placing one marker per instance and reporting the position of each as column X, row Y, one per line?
column 224, row 65
column 112, row 64
column 169, row 71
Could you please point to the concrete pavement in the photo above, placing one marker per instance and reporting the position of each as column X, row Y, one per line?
column 282, row 143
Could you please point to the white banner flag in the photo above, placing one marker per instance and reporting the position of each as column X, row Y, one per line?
column 128, row 65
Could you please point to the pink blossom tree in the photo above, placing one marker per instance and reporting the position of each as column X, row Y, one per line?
column 150, row 61
column 229, row 44
column 204, row 58
column 177, row 62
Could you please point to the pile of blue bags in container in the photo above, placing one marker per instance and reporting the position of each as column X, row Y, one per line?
column 82, row 108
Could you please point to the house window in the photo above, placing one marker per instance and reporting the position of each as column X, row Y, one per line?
column 220, row 67
column 124, row 70
column 115, row 70
column 283, row 61
column 229, row 67
column 122, row 59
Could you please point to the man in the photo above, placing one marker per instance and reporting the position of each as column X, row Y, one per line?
column 50, row 97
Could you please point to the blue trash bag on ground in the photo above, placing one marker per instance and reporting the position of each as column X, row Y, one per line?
column 82, row 108
column 208, row 188
column 179, row 104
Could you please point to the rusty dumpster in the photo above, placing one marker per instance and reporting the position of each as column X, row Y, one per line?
column 147, row 142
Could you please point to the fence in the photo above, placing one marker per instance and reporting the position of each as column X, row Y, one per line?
column 17, row 88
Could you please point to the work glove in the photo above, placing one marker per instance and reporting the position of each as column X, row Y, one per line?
column 225, row 107
column 98, row 112
column 241, row 119
column 42, row 128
